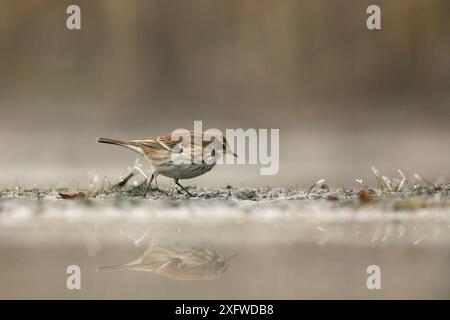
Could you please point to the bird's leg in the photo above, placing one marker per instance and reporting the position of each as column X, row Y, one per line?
column 178, row 184
column 149, row 183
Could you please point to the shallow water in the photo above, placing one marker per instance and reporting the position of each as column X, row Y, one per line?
column 285, row 249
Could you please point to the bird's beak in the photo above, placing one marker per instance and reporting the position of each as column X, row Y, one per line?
column 231, row 152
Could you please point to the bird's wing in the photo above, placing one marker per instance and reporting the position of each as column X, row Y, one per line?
column 158, row 143
column 166, row 142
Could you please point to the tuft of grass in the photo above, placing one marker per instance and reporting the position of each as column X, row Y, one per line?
column 397, row 193
column 419, row 185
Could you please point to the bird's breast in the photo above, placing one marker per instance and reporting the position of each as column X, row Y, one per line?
column 182, row 171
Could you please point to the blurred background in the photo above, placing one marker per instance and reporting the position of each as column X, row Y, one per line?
column 344, row 97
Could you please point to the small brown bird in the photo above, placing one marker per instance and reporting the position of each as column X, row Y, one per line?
column 190, row 160
column 178, row 262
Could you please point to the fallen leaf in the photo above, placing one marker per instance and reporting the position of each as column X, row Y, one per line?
column 365, row 196
column 75, row 196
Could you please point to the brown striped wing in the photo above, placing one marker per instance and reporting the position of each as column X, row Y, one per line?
column 166, row 143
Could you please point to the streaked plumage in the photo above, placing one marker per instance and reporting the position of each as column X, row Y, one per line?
column 159, row 152
column 178, row 262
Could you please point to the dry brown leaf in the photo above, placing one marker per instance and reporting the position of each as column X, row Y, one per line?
column 365, row 196
column 75, row 196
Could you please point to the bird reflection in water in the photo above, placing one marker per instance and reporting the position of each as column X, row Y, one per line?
column 179, row 262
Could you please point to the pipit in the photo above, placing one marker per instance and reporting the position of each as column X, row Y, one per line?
column 175, row 158
column 178, row 262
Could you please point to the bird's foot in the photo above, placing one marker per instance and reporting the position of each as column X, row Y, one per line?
column 184, row 189
column 149, row 184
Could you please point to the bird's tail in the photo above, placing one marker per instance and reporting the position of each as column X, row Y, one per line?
column 113, row 141
column 123, row 143
column 111, row 268
column 120, row 266
column 130, row 264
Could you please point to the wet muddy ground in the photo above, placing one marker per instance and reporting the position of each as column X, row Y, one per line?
column 234, row 243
